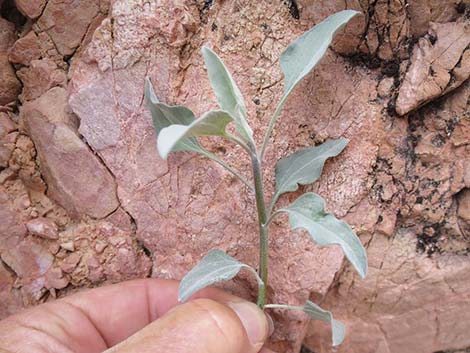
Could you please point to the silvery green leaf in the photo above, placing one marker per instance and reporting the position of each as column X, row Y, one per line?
column 215, row 267
column 308, row 212
column 301, row 56
column 305, row 166
column 227, row 92
column 338, row 329
column 212, row 123
column 164, row 115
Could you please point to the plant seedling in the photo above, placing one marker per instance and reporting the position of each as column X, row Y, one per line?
column 178, row 130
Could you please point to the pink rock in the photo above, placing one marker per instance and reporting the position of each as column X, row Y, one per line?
column 409, row 303
column 6, row 125
column 39, row 77
column 76, row 178
column 30, row 8
column 431, row 73
column 464, row 205
column 25, row 49
column 28, row 259
column 67, row 22
column 12, row 229
column 5, row 154
column 43, row 227
column 56, row 279
column 10, row 87
column 70, row 262
column 10, row 302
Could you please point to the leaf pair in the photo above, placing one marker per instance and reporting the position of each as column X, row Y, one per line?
column 177, row 127
column 308, row 211
column 217, row 266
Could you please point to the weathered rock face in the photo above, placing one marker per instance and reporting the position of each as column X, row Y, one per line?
column 77, row 180
column 440, row 63
column 87, row 199
column 10, row 86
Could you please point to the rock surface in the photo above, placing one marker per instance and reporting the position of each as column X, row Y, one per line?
column 440, row 63
column 85, row 199
column 77, row 180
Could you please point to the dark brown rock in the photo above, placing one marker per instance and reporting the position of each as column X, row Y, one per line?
column 30, row 8
column 25, row 49
column 7, row 35
column 11, row 86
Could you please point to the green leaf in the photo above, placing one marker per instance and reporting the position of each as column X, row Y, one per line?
column 302, row 55
column 215, row 267
column 212, row 123
column 227, row 92
column 308, row 212
column 305, row 166
column 338, row 329
column 164, row 115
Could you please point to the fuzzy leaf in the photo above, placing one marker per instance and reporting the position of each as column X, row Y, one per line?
column 212, row 123
column 215, row 267
column 338, row 329
column 308, row 212
column 305, row 166
column 301, row 56
column 164, row 115
column 227, row 92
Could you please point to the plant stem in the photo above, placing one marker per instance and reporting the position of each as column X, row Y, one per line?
column 263, row 229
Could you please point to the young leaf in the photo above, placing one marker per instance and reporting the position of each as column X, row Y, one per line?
column 216, row 266
column 227, row 92
column 211, row 123
column 338, row 329
column 305, row 166
column 308, row 212
column 301, row 56
column 165, row 115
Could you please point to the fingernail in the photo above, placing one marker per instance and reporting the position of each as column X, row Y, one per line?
column 254, row 320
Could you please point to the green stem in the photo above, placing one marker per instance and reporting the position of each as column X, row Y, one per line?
column 263, row 229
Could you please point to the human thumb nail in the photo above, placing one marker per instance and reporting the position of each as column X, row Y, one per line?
column 253, row 320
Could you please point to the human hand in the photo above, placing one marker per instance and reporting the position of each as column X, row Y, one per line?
column 141, row 316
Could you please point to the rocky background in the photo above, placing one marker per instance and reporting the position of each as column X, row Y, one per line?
column 85, row 199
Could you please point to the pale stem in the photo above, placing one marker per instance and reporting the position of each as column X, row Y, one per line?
column 263, row 230
column 283, row 306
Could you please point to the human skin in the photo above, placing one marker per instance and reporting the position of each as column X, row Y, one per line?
column 140, row 316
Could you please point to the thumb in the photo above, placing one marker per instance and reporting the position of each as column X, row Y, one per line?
column 202, row 326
